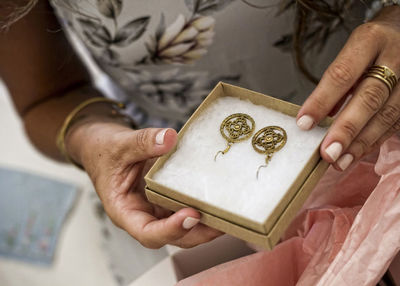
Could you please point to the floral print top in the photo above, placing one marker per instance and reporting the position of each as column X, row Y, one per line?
column 167, row 55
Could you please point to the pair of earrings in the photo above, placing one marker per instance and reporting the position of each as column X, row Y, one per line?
column 240, row 127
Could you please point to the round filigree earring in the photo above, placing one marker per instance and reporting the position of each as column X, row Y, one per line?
column 267, row 141
column 236, row 128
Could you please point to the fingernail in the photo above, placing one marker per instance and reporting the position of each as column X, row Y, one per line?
column 190, row 222
column 334, row 150
column 305, row 122
column 345, row 161
column 160, row 136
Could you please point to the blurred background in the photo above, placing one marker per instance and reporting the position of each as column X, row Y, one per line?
column 78, row 255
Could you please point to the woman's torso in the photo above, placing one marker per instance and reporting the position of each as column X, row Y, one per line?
column 168, row 55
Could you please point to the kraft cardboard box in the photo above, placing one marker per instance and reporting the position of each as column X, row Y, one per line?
column 225, row 189
column 189, row 262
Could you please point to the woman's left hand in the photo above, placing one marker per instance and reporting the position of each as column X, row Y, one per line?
column 372, row 115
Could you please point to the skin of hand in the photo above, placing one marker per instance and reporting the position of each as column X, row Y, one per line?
column 371, row 115
column 47, row 81
column 116, row 159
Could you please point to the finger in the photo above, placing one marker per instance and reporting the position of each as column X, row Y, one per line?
column 344, row 100
column 160, row 212
column 383, row 139
column 151, row 142
column 154, row 233
column 339, row 105
column 198, row 235
column 383, row 124
column 394, row 130
column 368, row 99
column 357, row 54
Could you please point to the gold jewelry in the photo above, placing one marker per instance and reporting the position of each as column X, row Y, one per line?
column 236, row 128
column 267, row 141
column 60, row 139
column 384, row 74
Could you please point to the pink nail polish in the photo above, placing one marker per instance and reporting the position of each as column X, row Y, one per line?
column 345, row 161
column 160, row 136
column 334, row 150
column 305, row 122
column 190, row 222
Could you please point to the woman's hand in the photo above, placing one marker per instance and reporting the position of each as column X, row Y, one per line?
column 372, row 114
column 116, row 159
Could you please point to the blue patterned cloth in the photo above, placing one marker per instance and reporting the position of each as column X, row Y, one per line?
column 32, row 212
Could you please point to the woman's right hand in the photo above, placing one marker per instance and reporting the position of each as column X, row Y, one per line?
column 116, row 159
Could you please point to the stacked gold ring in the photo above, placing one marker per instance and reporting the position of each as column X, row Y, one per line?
column 384, row 74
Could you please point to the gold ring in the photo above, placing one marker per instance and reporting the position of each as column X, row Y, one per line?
column 384, row 74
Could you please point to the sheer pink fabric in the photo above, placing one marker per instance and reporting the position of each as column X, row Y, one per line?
column 347, row 234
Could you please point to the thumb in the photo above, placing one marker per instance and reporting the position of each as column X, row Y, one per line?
column 152, row 142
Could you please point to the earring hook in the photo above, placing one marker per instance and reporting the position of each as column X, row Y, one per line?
column 269, row 156
column 267, row 141
column 223, row 152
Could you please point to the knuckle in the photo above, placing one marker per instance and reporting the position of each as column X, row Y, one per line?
column 349, row 129
column 340, row 73
column 364, row 145
column 370, row 31
column 389, row 114
column 396, row 126
column 380, row 141
column 142, row 138
column 376, row 144
column 318, row 104
column 172, row 233
column 395, row 60
column 373, row 97
column 118, row 144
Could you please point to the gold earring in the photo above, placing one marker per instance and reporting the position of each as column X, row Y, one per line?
column 236, row 128
column 267, row 141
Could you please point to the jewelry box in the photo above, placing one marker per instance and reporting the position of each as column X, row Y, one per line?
column 230, row 189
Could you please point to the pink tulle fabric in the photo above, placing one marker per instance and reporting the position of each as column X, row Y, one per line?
column 347, row 233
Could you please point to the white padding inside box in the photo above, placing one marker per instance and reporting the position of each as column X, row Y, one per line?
column 230, row 182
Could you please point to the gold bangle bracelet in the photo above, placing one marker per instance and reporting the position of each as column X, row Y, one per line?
column 60, row 139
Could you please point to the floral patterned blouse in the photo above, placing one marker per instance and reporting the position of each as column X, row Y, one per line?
column 166, row 55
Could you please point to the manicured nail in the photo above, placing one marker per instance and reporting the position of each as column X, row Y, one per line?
column 345, row 161
column 190, row 222
column 160, row 136
column 334, row 150
column 305, row 122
